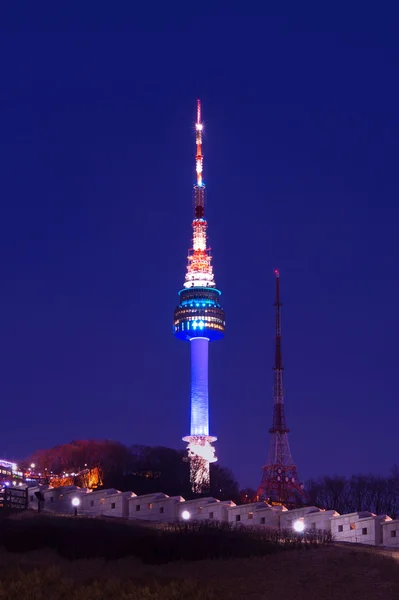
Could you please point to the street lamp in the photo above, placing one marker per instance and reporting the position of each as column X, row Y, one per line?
column 299, row 526
column 75, row 504
column 185, row 515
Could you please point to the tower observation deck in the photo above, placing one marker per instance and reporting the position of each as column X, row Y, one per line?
column 199, row 319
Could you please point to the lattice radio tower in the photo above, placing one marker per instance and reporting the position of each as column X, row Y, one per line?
column 280, row 484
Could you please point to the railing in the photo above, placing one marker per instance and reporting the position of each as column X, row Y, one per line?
column 14, row 499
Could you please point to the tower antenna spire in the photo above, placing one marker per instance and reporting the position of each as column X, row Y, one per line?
column 278, row 360
column 198, row 140
column 280, row 483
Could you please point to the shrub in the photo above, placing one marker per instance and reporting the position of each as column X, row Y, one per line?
column 90, row 538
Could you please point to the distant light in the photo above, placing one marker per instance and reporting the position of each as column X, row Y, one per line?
column 14, row 483
column 32, row 465
column 7, row 483
column 299, row 526
column 75, row 501
column 185, row 515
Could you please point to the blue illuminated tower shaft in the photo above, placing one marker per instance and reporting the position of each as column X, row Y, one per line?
column 200, row 450
column 199, row 387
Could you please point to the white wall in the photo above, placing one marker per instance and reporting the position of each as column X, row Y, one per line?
column 288, row 518
column 166, row 509
column 58, row 500
column 117, row 504
column 93, row 503
column 244, row 514
column 32, row 500
column 256, row 514
column 268, row 516
column 320, row 520
column 150, row 507
column 195, row 508
column 211, row 511
column 359, row 528
column 390, row 533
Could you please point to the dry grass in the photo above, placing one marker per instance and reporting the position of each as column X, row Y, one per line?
column 328, row 573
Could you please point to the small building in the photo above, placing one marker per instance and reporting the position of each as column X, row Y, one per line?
column 66, row 496
column 248, row 514
column 57, row 500
column 33, row 501
column 268, row 516
column 288, row 518
column 359, row 528
column 390, row 533
column 205, row 509
column 216, row 511
column 319, row 520
column 94, row 503
column 150, row 507
column 116, row 504
column 195, row 509
column 166, row 509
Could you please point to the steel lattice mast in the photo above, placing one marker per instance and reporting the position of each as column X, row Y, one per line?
column 280, row 479
column 199, row 319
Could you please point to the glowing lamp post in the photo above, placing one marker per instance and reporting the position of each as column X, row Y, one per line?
column 185, row 515
column 75, row 504
column 299, row 526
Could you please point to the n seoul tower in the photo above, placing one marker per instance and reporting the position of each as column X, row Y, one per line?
column 199, row 319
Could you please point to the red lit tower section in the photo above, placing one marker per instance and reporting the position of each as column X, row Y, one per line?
column 280, row 483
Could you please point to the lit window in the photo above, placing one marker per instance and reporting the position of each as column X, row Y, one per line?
column 250, row 515
column 150, row 505
column 102, row 500
column 352, row 526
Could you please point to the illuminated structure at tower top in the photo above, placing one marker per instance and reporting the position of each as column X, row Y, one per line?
column 199, row 319
column 199, row 268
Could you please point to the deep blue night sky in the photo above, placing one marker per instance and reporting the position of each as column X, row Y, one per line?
column 96, row 172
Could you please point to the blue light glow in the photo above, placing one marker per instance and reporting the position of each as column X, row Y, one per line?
column 199, row 387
